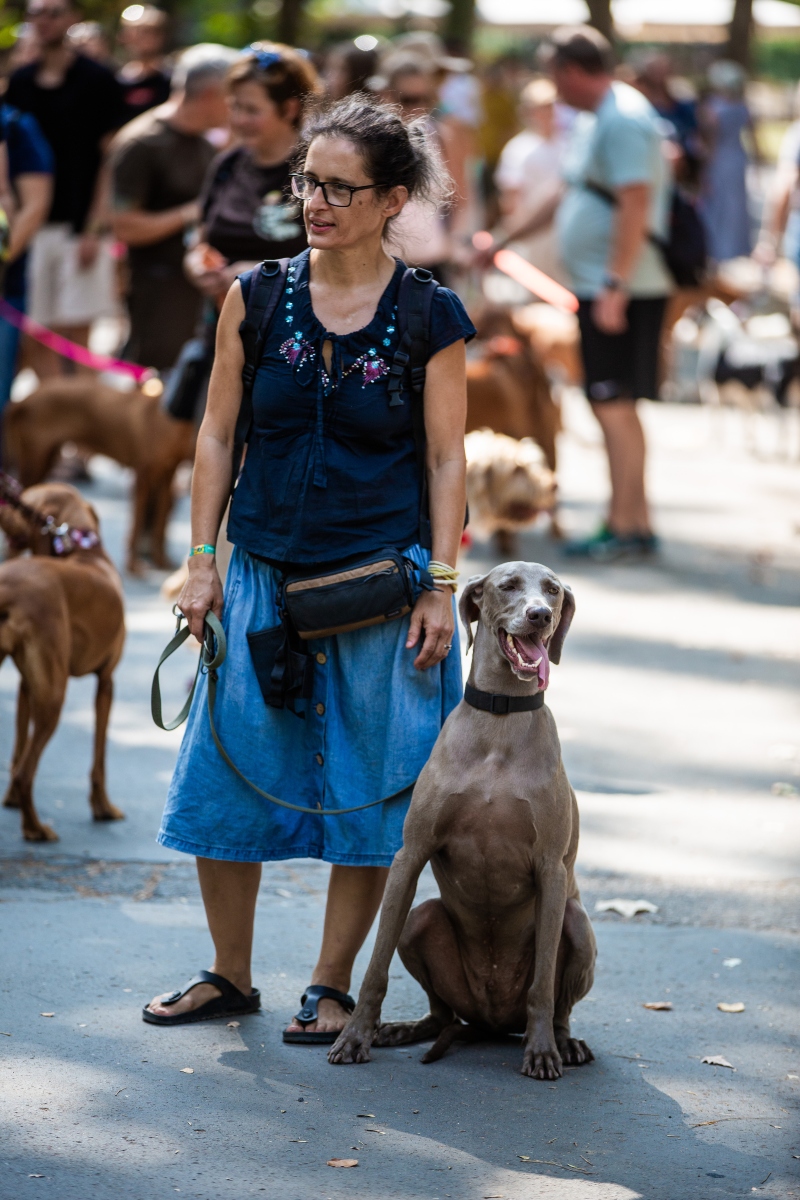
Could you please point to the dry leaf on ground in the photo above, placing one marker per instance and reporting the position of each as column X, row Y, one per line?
column 187, row 1070
column 372, row 1129
column 234, row 1024
column 716, row 1060
column 42, row 1015
column 342, row 1162
column 737, row 1007
column 625, row 908
column 659, row 1005
column 371, row 1116
column 731, row 962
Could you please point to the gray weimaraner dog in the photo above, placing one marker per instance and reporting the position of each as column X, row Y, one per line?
column 508, row 948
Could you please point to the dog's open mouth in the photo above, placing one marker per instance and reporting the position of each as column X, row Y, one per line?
column 528, row 657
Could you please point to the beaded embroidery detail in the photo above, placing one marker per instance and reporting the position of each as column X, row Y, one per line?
column 297, row 350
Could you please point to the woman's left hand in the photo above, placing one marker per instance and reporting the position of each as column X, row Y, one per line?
column 432, row 620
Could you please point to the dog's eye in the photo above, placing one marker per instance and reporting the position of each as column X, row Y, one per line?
column 511, row 586
column 552, row 588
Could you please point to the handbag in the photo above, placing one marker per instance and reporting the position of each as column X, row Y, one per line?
column 187, row 379
column 371, row 590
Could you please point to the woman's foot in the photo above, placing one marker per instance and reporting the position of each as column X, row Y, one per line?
column 331, row 1018
column 200, row 994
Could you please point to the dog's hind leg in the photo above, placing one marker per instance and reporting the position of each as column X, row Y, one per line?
column 45, row 719
column 429, row 952
column 11, row 799
column 574, row 978
column 102, row 808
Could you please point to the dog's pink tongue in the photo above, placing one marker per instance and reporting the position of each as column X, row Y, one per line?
column 544, row 669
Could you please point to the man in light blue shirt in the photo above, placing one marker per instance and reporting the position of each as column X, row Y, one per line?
column 615, row 198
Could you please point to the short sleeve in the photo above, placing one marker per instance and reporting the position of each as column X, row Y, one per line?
column 449, row 321
column 28, row 150
column 110, row 111
column 130, row 174
column 627, row 153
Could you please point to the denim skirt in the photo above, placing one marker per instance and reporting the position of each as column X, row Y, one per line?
column 368, row 731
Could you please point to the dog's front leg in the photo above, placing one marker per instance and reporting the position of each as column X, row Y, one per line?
column 353, row 1043
column 542, row 1059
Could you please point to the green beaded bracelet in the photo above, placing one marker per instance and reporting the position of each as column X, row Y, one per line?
column 202, row 550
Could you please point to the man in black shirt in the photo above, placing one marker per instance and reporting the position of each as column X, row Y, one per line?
column 145, row 78
column 78, row 103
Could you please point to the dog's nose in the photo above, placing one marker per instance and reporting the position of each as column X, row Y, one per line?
column 538, row 615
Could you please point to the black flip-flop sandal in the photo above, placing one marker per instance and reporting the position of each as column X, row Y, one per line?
column 232, row 1002
column 308, row 1015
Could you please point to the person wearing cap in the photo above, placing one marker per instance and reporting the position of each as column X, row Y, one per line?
column 145, row 77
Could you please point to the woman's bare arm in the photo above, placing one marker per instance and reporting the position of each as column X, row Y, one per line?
column 211, row 480
column 445, row 420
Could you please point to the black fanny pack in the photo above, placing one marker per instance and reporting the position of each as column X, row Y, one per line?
column 372, row 590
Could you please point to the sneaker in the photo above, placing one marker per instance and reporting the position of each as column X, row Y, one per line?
column 607, row 546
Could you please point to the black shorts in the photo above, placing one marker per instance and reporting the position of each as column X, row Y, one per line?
column 623, row 366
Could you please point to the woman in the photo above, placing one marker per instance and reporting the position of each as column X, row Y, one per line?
column 724, row 119
column 248, row 211
column 330, row 472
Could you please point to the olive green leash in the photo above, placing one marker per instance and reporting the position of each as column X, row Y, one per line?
column 211, row 659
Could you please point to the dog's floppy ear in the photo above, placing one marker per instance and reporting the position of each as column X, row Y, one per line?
column 469, row 604
column 567, row 613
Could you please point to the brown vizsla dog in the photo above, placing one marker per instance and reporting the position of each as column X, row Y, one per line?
column 508, row 948
column 129, row 427
column 507, row 387
column 58, row 617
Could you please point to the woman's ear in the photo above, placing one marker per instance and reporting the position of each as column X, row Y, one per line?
column 394, row 201
column 469, row 606
column 567, row 613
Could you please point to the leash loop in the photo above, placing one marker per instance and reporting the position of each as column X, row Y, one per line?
column 212, row 656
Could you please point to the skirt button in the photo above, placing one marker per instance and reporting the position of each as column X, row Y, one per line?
column 319, row 759
column 321, row 658
column 320, row 709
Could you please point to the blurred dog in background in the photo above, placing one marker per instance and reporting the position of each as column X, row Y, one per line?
column 508, row 485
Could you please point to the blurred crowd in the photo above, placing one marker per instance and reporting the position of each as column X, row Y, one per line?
column 144, row 179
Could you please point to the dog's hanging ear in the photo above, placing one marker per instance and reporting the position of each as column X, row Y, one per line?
column 567, row 613
column 469, row 604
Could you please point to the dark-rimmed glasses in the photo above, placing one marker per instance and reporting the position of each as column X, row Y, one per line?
column 338, row 195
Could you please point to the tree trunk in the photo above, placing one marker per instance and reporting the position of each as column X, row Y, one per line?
column 739, row 32
column 289, row 21
column 600, row 17
column 459, row 25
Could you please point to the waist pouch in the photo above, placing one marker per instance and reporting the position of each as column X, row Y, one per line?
column 369, row 591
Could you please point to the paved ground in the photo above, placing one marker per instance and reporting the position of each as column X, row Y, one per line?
column 677, row 703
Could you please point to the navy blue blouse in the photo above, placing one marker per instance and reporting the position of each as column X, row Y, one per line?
column 331, row 468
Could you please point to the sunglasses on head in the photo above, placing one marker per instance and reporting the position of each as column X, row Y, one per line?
column 264, row 58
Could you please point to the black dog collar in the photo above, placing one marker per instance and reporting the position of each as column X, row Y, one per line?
column 501, row 705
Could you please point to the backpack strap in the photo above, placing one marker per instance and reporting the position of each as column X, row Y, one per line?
column 266, row 289
column 407, row 372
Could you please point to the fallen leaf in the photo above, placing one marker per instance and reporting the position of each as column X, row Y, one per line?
column 4, row 1034
column 298, row 1139
column 372, row 1129
column 716, row 1060
column 572, row 1167
column 36, row 1177
column 187, row 1070
column 342, row 1162
column 659, row 1005
column 731, row 962
column 283, row 892
column 625, row 908
column 42, row 1015
column 83, row 1026
column 524, row 1157
column 788, row 1076
column 416, row 1110
column 234, row 1024
column 371, row 1116
column 737, row 1007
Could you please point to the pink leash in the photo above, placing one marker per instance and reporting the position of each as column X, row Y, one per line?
column 68, row 349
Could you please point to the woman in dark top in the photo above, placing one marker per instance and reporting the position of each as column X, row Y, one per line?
column 330, row 472
column 248, row 211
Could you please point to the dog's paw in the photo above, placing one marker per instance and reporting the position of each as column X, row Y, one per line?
column 351, row 1046
column 542, row 1064
column 107, row 812
column 11, row 799
column 39, row 833
column 574, row 1052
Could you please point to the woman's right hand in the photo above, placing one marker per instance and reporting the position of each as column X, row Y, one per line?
column 201, row 592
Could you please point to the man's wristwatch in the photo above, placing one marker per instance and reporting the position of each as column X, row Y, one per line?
column 613, row 282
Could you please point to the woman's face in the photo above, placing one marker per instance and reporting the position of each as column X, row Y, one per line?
column 328, row 227
column 256, row 120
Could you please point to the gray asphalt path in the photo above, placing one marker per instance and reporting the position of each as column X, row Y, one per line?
column 677, row 704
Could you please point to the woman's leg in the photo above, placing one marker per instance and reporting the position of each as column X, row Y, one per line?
column 354, row 897
column 229, row 892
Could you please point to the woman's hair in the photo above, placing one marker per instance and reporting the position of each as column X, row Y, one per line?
column 283, row 73
column 394, row 153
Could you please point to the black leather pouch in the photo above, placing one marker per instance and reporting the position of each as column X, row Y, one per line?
column 284, row 675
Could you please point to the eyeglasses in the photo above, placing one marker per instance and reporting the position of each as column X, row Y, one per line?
column 339, row 195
